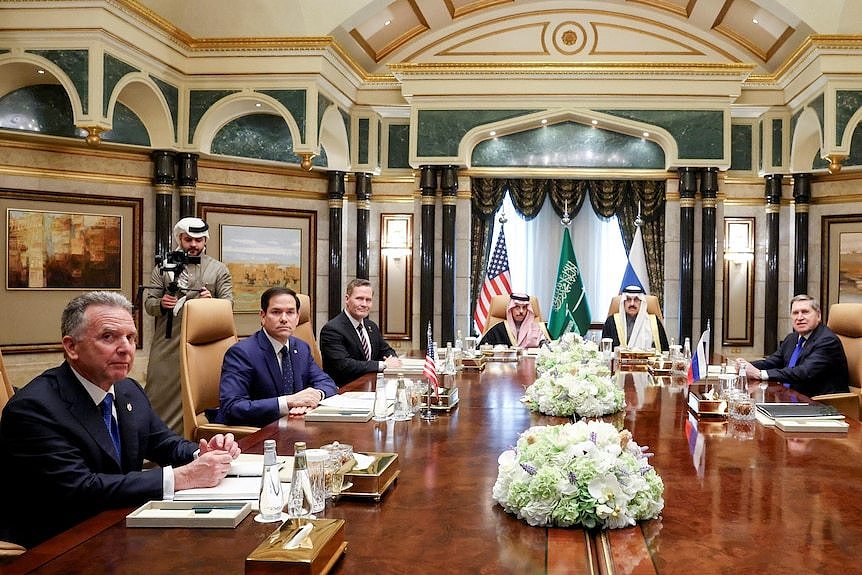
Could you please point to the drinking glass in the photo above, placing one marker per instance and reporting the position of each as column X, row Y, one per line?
column 470, row 346
column 317, row 475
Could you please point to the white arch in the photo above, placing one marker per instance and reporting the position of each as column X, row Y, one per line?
column 235, row 106
column 333, row 138
column 22, row 73
column 847, row 136
column 532, row 121
column 806, row 141
column 141, row 94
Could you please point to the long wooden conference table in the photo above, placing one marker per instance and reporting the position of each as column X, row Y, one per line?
column 739, row 498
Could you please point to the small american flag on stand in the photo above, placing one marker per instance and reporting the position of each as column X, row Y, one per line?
column 430, row 368
column 497, row 281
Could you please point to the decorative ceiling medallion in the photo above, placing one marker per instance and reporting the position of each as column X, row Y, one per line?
column 569, row 37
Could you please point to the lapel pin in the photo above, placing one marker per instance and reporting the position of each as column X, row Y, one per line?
column 129, row 407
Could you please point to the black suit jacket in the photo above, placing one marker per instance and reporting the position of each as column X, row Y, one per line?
column 58, row 461
column 820, row 368
column 341, row 349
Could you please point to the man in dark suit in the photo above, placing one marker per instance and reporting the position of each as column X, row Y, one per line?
column 74, row 439
column 271, row 373
column 810, row 360
column 350, row 343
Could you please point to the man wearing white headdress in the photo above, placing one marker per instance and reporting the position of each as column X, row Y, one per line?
column 208, row 278
column 632, row 326
column 521, row 329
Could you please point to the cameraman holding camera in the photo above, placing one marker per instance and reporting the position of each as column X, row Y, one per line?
column 179, row 275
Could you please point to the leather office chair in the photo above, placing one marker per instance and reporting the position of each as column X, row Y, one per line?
column 652, row 306
column 6, row 390
column 845, row 319
column 208, row 330
column 304, row 331
column 497, row 311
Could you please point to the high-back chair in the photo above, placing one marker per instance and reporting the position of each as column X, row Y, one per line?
column 208, row 330
column 652, row 306
column 845, row 319
column 6, row 390
column 304, row 330
column 497, row 311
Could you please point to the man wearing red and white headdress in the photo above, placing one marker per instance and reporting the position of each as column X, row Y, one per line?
column 521, row 329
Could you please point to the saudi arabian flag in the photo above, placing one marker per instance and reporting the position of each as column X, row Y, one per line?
column 570, row 310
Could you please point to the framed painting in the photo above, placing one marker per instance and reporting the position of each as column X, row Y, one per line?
column 57, row 246
column 841, row 260
column 262, row 247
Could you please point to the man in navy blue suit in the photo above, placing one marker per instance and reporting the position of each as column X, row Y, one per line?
column 810, row 360
column 271, row 373
column 74, row 439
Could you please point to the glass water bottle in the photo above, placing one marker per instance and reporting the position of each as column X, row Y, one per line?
column 270, row 501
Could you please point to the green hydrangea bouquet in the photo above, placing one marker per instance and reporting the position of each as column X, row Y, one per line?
column 585, row 389
column 569, row 349
column 584, row 474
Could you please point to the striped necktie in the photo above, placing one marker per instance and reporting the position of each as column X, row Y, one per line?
column 111, row 422
column 364, row 339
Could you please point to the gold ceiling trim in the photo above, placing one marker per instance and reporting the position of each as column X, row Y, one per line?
column 685, row 12
column 565, row 173
column 665, row 68
column 455, row 12
column 691, row 51
column 812, row 42
column 421, row 27
column 559, row 14
column 543, row 26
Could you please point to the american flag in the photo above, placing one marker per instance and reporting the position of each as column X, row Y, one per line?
column 430, row 368
column 497, row 282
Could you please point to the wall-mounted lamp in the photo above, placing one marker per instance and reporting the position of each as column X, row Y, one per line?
column 396, row 236
column 396, row 275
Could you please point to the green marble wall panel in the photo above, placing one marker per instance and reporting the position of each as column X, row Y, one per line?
column 42, row 108
column 699, row 134
column 847, row 102
column 379, row 141
column 260, row 136
column 568, row 145
column 759, row 145
column 399, row 146
column 794, row 119
column 114, row 70
column 294, row 101
column 76, row 65
column 364, row 132
column 172, row 97
column 740, row 147
column 777, row 139
column 819, row 163
column 199, row 102
column 126, row 128
column 855, row 157
column 441, row 131
column 817, row 105
column 345, row 117
column 322, row 104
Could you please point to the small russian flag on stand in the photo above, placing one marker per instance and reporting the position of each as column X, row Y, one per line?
column 699, row 360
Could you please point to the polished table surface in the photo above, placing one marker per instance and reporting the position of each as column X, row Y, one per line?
column 739, row 497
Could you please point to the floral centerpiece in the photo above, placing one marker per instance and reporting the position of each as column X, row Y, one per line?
column 584, row 473
column 586, row 389
column 569, row 349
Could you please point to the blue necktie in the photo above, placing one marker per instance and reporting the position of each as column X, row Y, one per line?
column 794, row 357
column 286, row 371
column 111, row 422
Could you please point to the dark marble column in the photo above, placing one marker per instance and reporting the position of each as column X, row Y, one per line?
column 335, row 195
column 449, row 187
column 163, row 184
column 802, row 199
column 187, row 180
column 363, row 215
column 708, row 194
column 687, row 190
column 428, row 189
column 770, row 298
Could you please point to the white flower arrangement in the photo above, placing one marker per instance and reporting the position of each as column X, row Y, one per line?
column 584, row 474
column 569, row 349
column 585, row 389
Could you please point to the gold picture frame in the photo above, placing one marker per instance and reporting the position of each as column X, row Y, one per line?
column 841, row 269
column 52, row 251
column 262, row 247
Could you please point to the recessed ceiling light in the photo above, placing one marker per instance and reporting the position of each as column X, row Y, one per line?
column 387, row 23
column 40, row 71
column 257, row 105
column 646, row 134
column 595, row 122
column 492, row 133
column 544, row 121
column 755, row 20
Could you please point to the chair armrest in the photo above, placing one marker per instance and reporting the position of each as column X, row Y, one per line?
column 208, row 430
column 847, row 403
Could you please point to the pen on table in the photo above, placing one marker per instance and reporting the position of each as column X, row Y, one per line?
column 208, row 508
